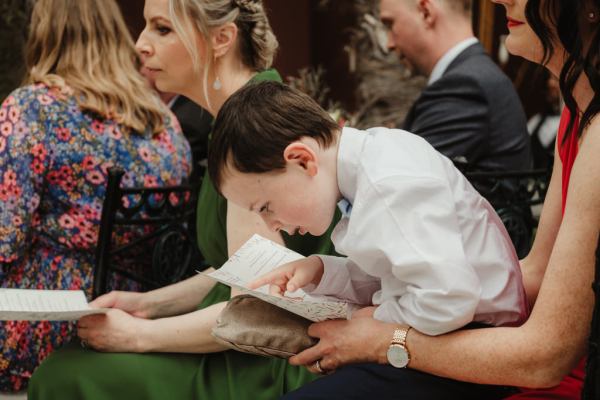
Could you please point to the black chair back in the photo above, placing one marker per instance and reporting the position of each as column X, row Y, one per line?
column 146, row 234
column 513, row 194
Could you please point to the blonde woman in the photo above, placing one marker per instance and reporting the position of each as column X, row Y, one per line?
column 205, row 50
column 84, row 108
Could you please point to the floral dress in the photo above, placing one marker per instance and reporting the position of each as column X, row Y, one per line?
column 53, row 171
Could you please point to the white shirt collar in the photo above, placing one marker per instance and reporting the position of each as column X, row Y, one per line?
column 447, row 59
column 172, row 101
column 349, row 152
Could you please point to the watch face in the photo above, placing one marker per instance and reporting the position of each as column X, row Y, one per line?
column 397, row 356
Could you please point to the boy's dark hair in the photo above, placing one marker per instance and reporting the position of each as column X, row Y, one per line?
column 258, row 122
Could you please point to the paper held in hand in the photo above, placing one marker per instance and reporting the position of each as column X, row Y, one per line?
column 44, row 305
column 259, row 256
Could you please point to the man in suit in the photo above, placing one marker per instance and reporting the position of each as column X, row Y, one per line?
column 469, row 110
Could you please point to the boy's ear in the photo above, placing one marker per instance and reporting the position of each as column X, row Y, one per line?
column 302, row 155
column 223, row 39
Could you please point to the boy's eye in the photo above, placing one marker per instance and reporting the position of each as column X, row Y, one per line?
column 264, row 208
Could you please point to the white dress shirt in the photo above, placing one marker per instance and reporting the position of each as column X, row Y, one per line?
column 443, row 63
column 420, row 242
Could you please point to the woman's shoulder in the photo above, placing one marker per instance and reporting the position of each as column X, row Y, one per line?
column 27, row 91
column 35, row 97
column 33, row 91
column 170, row 121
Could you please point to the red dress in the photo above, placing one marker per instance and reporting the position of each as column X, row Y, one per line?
column 571, row 385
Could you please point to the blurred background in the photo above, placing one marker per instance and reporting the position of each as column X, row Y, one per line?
column 332, row 49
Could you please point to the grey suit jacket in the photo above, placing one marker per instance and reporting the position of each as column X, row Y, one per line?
column 473, row 112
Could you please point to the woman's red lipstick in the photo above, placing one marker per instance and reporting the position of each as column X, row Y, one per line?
column 513, row 23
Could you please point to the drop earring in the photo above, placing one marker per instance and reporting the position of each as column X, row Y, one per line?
column 592, row 16
column 217, row 84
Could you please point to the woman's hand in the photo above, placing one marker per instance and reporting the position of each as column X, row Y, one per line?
column 115, row 331
column 342, row 342
column 134, row 303
column 292, row 276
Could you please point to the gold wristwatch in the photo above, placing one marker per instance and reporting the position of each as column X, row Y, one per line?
column 397, row 354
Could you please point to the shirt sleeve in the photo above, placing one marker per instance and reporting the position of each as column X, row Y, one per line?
column 343, row 279
column 407, row 232
column 23, row 160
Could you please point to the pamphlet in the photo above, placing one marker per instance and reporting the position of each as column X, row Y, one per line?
column 44, row 305
column 259, row 256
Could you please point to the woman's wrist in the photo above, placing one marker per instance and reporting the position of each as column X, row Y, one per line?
column 146, row 336
column 381, row 346
column 385, row 340
column 177, row 299
column 187, row 333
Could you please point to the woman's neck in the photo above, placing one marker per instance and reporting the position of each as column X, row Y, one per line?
column 231, row 80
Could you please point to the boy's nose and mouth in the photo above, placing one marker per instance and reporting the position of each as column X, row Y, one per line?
column 295, row 231
column 291, row 230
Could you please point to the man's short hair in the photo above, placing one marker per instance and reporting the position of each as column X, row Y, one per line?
column 258, row 122
column 463, row 7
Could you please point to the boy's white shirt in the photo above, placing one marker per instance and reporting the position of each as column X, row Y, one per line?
column 420, row 242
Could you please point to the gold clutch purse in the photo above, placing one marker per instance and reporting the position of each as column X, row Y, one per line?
column 254, row 326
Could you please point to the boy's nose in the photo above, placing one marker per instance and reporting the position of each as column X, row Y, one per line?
column 271, row 223
column 275, row 226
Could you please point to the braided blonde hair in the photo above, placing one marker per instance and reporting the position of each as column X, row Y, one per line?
column 256, row 41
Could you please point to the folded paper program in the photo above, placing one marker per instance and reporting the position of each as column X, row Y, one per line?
column 44, row 305
column 259, row 256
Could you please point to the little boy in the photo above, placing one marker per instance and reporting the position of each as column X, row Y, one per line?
column 421, row 244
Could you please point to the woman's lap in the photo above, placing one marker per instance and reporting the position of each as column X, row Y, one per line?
column 75, row 373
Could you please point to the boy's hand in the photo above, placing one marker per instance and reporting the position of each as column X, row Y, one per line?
column 291, row 276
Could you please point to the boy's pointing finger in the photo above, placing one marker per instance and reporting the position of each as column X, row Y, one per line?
column 266, row 279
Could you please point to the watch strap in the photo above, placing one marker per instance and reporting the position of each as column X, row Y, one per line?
column 400, row 336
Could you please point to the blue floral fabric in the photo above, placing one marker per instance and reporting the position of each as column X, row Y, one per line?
column 53, row 171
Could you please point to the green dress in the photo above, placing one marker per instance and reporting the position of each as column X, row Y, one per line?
column 76, row 373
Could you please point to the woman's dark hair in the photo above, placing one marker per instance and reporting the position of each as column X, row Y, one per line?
column 258, row 122
column 564, row 17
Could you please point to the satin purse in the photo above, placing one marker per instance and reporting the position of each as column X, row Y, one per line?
column 253, row 326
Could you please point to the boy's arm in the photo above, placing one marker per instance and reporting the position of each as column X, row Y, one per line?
column 405, row 230
column 343, row 279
